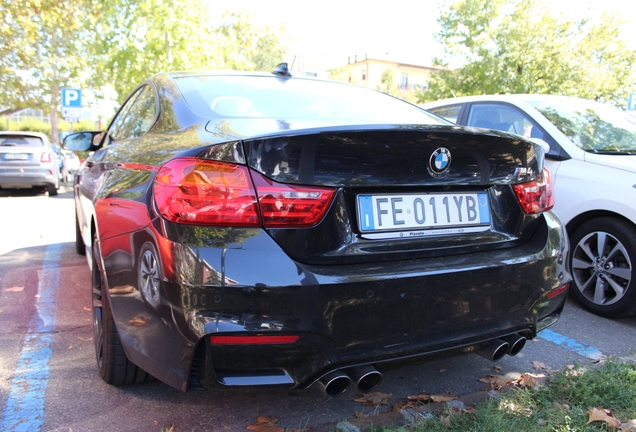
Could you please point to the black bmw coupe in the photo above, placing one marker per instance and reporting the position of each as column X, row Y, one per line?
column 264, row 230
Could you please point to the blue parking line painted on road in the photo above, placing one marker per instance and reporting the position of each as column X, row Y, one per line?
column 24, row 410
column 578, row 347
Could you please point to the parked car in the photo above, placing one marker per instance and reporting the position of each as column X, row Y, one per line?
column 28, row 160
column 593, row 158
column 271, row 231
column 70, row 166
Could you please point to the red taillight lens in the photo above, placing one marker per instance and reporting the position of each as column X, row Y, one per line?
column 536, row 196
column 291, row 206
column 46, row 157
column 253, row 340
column 201, row 192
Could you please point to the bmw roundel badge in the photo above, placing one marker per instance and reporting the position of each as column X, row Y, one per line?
column 440, row 161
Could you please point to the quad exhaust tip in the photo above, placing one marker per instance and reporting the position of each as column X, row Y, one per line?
column 366, row 378
column 496, row 349
column 334, row 383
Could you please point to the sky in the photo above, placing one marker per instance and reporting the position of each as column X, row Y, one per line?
column 328, row 32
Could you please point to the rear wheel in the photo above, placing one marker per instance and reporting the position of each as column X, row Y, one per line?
column 52, row 189
column 80, row 247
column 114, row 366
column 603, row 259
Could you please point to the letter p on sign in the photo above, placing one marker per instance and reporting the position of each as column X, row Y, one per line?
column 71, row 97
column 631, row 102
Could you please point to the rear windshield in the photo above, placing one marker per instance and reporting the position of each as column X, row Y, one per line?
column 298, row 99
column 19, row 140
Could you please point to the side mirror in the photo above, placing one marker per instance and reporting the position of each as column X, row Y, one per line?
column 82, row 141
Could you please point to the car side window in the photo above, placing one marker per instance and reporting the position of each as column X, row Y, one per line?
column 503, row 118
column 449, row 112
column 140, row 116
column 135, row 118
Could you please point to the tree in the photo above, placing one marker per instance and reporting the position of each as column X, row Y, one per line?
column 41, row 51
column 135, row 39
column 517, row 46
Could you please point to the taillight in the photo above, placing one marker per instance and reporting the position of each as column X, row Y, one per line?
column 536, row 196
column 291, row 206
column 46, row 157
column 202, row 192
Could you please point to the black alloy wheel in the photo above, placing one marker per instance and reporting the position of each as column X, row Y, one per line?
column 149, row 274
column 114, row 367
column 603, row 258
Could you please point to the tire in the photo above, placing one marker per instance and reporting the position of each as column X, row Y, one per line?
column 114, row 367
column 52, row 189
column 80, row 247
column 603, row 259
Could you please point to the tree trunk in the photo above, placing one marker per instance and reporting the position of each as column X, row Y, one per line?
column 55, row 97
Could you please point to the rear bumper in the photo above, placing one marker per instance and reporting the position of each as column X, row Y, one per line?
column 11, row 178
column 344, row 315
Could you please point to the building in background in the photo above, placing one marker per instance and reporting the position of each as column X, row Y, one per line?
column 390, row 76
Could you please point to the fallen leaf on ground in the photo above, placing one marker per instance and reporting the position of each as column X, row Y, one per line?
column 630, row 426
column 87, row 309
column 139, row 321
column 539, row 366
column 373, row 399
column 360, row 415
column 495, row 382
column 308, row 428
column 497, row 368
column 85, row 339
column 398, row 406
column 265, row 424
column 442, row 370
column 526, row 380
column 15, row 289
column 127, row 289
column 170, row 429
column 433, row 398
column 601, row 414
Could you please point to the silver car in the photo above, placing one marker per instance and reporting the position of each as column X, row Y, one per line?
column 27, row 160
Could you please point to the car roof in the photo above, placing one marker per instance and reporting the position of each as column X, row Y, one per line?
column 24, row 133
column 497, row 98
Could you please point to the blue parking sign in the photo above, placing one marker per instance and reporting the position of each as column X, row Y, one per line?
column 71, row 97
column 631, row 102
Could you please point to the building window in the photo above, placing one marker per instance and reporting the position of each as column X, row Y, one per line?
column 364, row 74
column 404, row 83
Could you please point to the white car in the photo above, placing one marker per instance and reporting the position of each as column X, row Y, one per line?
column 593, row 161
column 28, row 160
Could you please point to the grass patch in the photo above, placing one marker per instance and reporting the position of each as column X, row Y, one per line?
column 560, row 404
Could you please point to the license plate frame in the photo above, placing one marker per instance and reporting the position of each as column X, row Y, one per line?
column 16, row 156
column 422, row 214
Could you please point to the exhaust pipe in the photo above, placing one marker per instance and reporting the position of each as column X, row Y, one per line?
column 366, row 377
column 495, row 350
column 334, row 383
column 515, row 343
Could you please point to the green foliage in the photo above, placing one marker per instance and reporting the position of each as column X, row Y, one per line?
column 343, row 74
column 28, row 125
column 562, row 404
column 515, row 46
column 136, row 39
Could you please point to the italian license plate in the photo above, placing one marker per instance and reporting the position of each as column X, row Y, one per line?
column 16, row 156
column 414, row 215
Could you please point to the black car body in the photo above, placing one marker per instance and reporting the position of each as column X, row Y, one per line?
column 265, row 230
